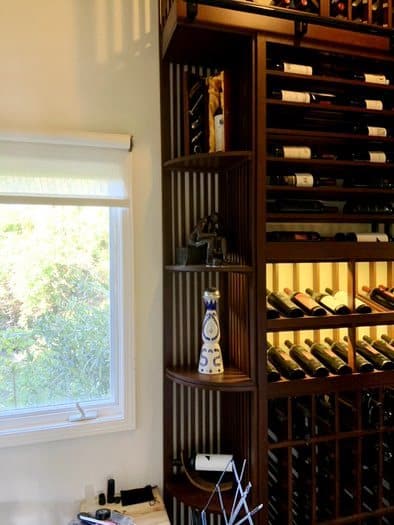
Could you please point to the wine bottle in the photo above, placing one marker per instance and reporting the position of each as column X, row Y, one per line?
column 362, row 237
column 304, row 358
column 310, row 6
column 292, row 152
column 380, row 296
column 272, row 373
column 379, row 361
column 342, row 351
column 303, row 97
column 338, row 8
column 334, row 363
column 283, row 303
column 306, row 303
column 287, row 236
column 371, row 78
column 291, row 67
column 371, row 156
column 342, row 297
column 375, row 104
column 329, row 302
column 381, row 346
column 218, row 119
column 306, row 180
column 286, row 366
column 272, row 313
column 372, row 131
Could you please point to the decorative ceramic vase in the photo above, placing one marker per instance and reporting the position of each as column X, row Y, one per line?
column 211, row 361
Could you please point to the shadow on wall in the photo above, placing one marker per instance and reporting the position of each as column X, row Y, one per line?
column 116, row 41
column 29, row 513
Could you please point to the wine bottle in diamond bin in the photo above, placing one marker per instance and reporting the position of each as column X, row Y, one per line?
column 211, row 361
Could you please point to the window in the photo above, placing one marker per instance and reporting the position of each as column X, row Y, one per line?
column 66, row 362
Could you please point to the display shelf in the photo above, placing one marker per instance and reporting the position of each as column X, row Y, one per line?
column 336, row 217
column 331, row 163
column 233, row 412
column 328, row 80
column 332, row 383
column 338, row 193
column 383, row 113
column 330, row 321
column 328, row 251
column 315, row 136
column 181, row 488
column 225, row 268
column 232, row 379
column 209, row 161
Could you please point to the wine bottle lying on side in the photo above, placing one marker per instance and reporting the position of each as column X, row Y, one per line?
column 342, row 350
column 281, row 359
column 379, row 361
column 334, row 363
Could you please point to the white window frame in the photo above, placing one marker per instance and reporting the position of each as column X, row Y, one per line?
column 43, row 425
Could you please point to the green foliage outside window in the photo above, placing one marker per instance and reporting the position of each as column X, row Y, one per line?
column 54, row 305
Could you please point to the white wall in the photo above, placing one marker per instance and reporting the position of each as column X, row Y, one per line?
column 91, row 65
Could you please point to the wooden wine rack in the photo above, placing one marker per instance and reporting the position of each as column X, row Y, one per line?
column 239, row 411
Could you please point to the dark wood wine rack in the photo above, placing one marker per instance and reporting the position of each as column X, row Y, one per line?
column 320, row 431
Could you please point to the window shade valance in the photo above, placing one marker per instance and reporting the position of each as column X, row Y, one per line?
column 69, row 168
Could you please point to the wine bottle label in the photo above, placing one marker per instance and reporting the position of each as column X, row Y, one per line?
column 373, row 104
column 376, row 79
column 306, row 300
column 219, row 132
column 303, row 179
column 377, row 156
column 371, row 349
column 297, row 152
column 376, row 131
column 297, row 69
column 296, row 96
column 214, row 462
column 371, row 237
column 329, row 301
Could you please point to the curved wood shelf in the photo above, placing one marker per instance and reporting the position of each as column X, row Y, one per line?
column 225, row 268
column 352, row 218
column 327, row 251
column 232, row 380
column 330, row 321
column 332, row 107
column 332, row 383
column 221, row 161
column 181, row 488
column 324, row 80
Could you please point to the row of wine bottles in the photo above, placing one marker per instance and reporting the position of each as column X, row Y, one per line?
column 326, row 481
column 339, row 9
column 318, row 359
column 308, row 153
column 310, row 180
column 329, row 414
column 301, row 235
column 333, row 69
column 331, row 98
column 297, row 304
column 362, row 206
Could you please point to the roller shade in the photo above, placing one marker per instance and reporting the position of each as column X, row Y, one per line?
column 65, row 168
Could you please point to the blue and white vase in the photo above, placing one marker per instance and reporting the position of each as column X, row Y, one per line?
column 211, row 361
